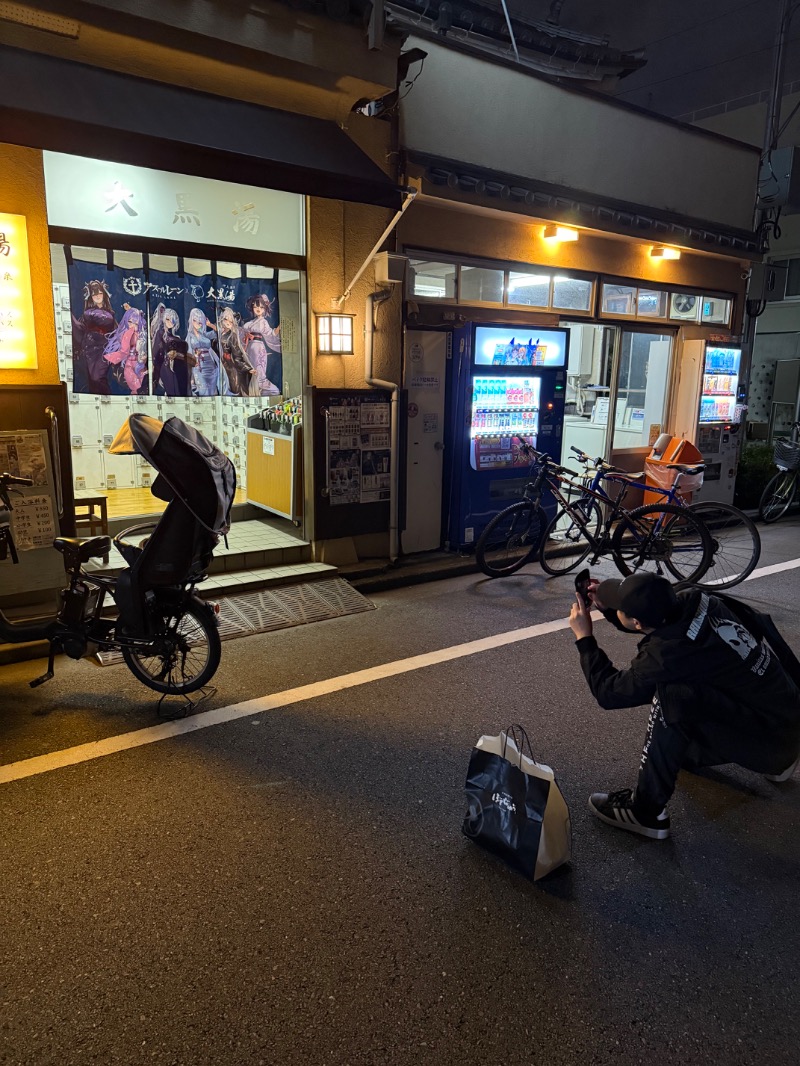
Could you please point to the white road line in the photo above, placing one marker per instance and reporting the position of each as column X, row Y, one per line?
column 776, row 568
column 56, row 760
column 203, row 719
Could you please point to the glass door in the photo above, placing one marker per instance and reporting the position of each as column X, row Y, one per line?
column 641, row 380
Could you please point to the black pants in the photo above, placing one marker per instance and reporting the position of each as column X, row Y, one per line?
column 670, row 748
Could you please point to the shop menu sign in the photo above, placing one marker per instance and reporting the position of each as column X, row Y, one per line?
column 359, row 455
column 17, row 333
column 105, row 197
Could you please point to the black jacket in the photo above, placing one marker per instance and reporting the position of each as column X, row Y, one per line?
column 717, row 664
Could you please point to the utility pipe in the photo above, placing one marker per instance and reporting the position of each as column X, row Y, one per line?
column 410, row 194
column 373, row 301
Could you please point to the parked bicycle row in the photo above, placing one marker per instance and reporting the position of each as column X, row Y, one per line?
column 706, row 543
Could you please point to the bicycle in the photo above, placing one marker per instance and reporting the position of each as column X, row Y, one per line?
column 735, row 541
column 167, row 635
column 659, row 535
column 512, row 538
column 779, row 493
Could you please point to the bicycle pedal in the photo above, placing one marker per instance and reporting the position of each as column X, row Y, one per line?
column 41, row 680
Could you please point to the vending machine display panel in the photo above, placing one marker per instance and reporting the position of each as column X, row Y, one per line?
column 509, row 347
column 720, row 385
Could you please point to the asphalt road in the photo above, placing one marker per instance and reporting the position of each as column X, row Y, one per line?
column 293, row 887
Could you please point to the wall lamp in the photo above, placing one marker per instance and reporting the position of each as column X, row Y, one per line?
column 662, row 251
column 335, row 334
column 559, row 233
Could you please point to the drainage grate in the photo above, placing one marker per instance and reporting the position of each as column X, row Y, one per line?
column 263, row 610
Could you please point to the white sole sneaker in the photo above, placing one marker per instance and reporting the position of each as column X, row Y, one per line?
column 624, row 818
column 787, row 773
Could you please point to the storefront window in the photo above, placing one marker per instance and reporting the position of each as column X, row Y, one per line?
column 619, row 300
column 212, row 343
column 528, row 290
column 651, row 303
column 433, row 281
column 642, row 387
column 716, row 311
column 572, row 294
column 481, row 285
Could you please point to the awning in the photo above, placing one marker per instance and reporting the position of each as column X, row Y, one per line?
column 55, row 104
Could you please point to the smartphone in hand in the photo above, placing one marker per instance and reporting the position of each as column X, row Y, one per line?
column 582, row 587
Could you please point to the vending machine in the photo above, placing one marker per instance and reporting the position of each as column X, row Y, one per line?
column 710, row 413
column 511, row 388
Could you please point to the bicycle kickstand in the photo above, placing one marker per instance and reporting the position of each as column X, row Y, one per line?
column 50, row 672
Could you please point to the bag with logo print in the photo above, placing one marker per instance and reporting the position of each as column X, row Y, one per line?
column 515, row 807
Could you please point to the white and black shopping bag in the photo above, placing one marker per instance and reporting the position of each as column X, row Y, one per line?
column 515, row 808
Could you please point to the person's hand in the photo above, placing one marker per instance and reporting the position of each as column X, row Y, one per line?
column 592, row 591
column 579, row 620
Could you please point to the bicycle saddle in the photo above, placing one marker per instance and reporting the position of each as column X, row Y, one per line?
column 83, row 548
column 697, row 469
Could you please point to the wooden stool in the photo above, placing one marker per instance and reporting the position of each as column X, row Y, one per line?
column 93, row 514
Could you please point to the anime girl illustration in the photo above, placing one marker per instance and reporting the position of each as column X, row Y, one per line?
column 170, row 353
column 126, row 348
column 263, row 345
column 90, row 335
column 239, row 371
column 200, row 338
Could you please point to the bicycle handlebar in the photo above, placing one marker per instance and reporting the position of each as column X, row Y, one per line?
column 10, row 479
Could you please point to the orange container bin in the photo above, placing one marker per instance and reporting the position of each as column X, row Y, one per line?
column 667, row 450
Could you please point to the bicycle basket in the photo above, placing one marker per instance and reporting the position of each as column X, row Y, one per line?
column 787, row 454
column 660, row 475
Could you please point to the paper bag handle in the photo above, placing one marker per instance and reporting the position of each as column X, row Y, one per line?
column 512, row 731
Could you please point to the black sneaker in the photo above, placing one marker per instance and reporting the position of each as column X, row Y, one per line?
column 616, row 808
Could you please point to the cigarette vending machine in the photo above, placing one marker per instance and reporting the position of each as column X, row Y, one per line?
column 710, row 413
column 510, row 388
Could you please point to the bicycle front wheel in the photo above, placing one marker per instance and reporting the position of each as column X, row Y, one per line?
column 661, row 539
column 510, row 540
column 735, row 544
column 777, row 497
column 566, row 540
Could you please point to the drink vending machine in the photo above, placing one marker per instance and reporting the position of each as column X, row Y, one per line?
column 711, row 411
column 513, row 383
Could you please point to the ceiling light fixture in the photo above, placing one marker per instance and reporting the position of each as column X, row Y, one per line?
column 559, row 233
column 662, row 251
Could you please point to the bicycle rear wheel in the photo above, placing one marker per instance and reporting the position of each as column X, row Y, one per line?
column 566, row 540
column 510, row 540
column 735, row 544
column 661, row 539
column 777, row 497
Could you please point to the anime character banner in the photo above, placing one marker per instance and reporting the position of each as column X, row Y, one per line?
column 260, row 332
column 206, row 335
column 109, row 330
column 171, row 368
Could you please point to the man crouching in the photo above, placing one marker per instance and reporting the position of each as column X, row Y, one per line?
column 722, row 683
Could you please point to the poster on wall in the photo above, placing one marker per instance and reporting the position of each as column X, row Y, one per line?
column 205, row 335
column 109, row 330
column 359, row 455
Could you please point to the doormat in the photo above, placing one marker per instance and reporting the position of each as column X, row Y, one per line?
column 263, row 610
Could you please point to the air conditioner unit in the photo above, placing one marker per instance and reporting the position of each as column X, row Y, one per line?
column 683, row 305
column 389, row 268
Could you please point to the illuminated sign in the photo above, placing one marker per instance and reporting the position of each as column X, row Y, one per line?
column 17, row 335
